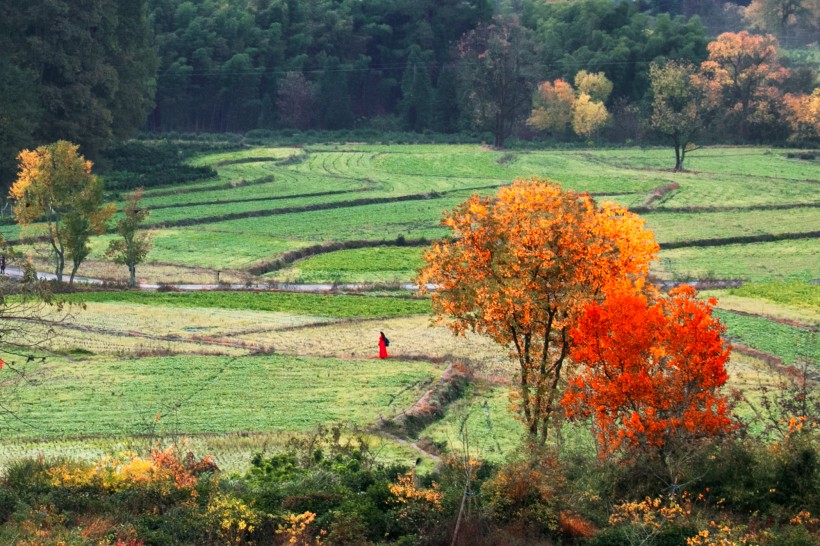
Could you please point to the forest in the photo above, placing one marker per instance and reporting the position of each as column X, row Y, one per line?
column 96, row 72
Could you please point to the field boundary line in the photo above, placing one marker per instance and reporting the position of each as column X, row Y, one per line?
column 741, row 239
column 787, row 322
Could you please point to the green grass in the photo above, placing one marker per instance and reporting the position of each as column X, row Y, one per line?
column 492, row 430
column 784, row 341
column 795, row 259
column 677, row 227
column 183, row 394
column 801, row 294
column 736, row 177
column 337, row 306
column 380, row 264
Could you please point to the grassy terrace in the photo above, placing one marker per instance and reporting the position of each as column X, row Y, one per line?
column 169, row 364
column 268, row 201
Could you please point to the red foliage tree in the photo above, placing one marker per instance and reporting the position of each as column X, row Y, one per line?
column 651, row 374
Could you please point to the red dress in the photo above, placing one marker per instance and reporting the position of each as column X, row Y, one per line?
column 382, row 348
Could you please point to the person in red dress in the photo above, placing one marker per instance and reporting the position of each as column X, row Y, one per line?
column 383, row 343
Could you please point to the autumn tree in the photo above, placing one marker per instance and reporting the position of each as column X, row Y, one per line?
column 678, row 105
column 594, row 84
column 803, row 115
column 557, row 104
column 519, row 266
column 651, row 369
column 552, row 106
column 496, row 75
column 133, row 247
column 55, row 187
column 742, row 74
column 588, row 116
column 784, row 17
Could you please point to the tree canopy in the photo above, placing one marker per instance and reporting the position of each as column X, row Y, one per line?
column 55, row 188
column 520, row 266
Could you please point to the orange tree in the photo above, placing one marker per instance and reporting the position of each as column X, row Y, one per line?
column 651, row 370
column 519, row 267
column 743, row 74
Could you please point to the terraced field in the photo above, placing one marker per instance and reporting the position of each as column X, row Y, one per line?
column 268, row 201
column 168, row 364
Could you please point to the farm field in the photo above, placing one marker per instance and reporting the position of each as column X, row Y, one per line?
column 268, row 201
column 132, row 366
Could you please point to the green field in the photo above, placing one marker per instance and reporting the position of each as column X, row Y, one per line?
column 244, row 369
column 337, row 306
column 271, row 200
column 181, row 394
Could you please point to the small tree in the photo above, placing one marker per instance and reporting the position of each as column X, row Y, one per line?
column 677, row 105
column 556, row 104
column 651, row 374
column 132, row 249
column 496, row 75
column 552, row 107
column 520, row 266
column 594, row 84
column 55, row 186
column 588, row 116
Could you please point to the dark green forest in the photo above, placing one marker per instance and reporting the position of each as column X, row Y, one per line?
column 96, row 71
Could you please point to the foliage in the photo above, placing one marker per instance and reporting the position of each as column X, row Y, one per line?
column 417, row 93
column 55, row 186
column 552, row 106
column 785, row 18
column 678, row 105
column 596, row 85
column 520, row 266
column 651, row 373
column 94, row 66
column 527, row 491
column 231, row 521
column 496, row 75
column 588, row 116
column 556, row 105
column 418, row 509
column 133, row 248
column 741, row 75
column 803, row 113
column 295, row 101
column 203, row 87
column 615, row 38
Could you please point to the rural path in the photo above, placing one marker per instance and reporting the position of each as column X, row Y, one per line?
column 16, row 272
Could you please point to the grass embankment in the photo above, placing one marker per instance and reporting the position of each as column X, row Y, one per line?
column 337, row 306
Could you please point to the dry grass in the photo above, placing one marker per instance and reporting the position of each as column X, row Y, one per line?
column 764, row 308
column 410, row 338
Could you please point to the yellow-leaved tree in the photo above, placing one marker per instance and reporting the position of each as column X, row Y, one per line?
column 55, row 187
column 557, row 105
column 518, row 268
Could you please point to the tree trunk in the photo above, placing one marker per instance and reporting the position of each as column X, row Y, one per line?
column 132, row 280
column 74, row 269
column 679, row 151
column 59, row 266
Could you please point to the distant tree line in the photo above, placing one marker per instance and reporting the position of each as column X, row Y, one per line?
column 96, row 71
